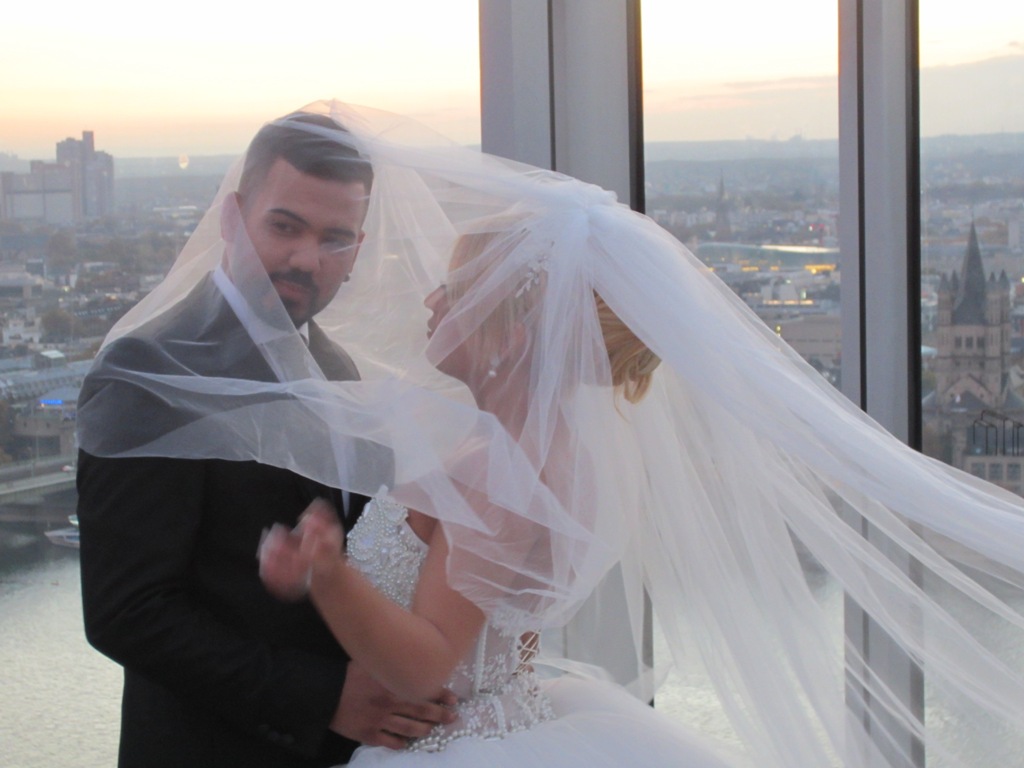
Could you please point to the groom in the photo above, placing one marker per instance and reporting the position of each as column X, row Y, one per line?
column 216, row 671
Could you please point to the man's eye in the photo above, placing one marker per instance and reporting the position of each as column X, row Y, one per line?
column 336, row 246
column 283, row 227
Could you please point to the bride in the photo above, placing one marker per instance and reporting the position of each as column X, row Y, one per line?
column 388, row 600
column 536, row 473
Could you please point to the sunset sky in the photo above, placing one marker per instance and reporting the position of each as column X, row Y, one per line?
column 199, row 77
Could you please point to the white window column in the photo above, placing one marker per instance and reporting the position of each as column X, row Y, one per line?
column 560, row 83
column 880, row 287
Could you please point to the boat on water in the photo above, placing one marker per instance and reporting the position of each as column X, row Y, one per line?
column 66, row 537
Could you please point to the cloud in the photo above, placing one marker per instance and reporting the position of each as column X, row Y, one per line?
column 971, row 98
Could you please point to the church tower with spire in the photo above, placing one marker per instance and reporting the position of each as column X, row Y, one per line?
column 973, row 325
column 723, row 228
column 978, row 403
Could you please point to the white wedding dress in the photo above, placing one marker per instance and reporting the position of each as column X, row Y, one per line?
column 507, row 715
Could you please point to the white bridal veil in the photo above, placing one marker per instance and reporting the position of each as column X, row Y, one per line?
column 755, row 505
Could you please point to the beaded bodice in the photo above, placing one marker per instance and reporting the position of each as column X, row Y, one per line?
column 497, row 693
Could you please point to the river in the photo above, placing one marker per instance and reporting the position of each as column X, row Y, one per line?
column 60, row 699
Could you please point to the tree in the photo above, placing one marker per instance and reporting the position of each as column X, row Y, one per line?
column 6, row 433
column 61, row 251
column 57, row 325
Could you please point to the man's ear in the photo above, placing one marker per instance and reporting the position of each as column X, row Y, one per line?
column 355, row 255
column 230, row 217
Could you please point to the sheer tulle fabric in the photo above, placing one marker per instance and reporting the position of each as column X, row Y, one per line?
column 741, row 478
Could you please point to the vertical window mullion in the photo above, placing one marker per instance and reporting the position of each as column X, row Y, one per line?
column 880, row 246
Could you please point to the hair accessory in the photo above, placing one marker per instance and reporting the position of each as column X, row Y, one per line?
column 535, row 268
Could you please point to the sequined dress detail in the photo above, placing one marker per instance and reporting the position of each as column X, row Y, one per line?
column 497, row 694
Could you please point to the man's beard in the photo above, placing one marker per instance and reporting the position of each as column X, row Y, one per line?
column 299, row 311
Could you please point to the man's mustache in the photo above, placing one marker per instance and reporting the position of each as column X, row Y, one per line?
column 296, row 277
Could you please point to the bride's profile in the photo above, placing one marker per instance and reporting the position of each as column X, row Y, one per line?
column 563, row 410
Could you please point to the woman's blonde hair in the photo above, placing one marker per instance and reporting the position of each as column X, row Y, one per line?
column 631, row 362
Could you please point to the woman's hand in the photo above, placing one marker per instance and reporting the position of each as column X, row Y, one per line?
column 322, row 539
column 288, row 557
column 285, row 571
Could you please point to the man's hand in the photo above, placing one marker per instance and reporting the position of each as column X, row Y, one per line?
column 370, row 714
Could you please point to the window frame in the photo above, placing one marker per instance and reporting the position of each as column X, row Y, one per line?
column 549, row 99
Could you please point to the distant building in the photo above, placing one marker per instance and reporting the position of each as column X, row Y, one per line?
column 977, row 407
column 96, row 267
column 92, row 176
column 22, row 328
column 20, row 287
column 45, row 194
column 723, row 227
column 49, row 359
column 973, row 333
column 47, row 426
column 43, row 403
column 77, row 187
column 23, row 386
column 817, row 338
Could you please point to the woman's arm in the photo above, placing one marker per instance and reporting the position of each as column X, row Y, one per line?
column 412, row 653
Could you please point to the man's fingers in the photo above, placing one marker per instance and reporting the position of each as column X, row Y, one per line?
column 370, row 714
column 428, row 713
column 385, row 739
column 447, row 699
column 407, row 728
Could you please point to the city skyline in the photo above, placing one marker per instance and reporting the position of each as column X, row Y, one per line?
column 956, row 100
column 203, row 82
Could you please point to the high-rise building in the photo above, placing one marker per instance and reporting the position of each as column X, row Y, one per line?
column 77, row 187
column 45, row 194
column 92, row 175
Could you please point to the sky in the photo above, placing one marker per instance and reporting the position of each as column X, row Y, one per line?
column 200, row 76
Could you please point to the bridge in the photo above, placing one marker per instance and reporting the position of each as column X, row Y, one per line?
column 32, row 489
column 24, row 486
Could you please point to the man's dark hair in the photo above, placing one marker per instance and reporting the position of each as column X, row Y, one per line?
column 324, row 150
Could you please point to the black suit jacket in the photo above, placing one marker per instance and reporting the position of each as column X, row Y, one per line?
column 216, row 672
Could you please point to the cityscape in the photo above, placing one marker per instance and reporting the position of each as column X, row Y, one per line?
column 765, row 218
column 84, row 236
column 117, row 134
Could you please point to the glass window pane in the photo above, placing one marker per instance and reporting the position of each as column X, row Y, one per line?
column 159, row 107
column 972, row 274
column 972, row 180
column 741, row 155
column 741, row 128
